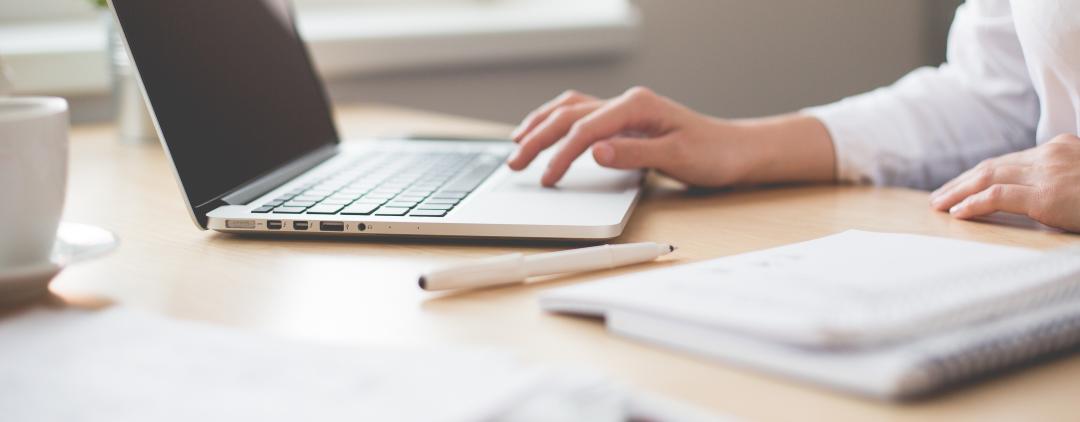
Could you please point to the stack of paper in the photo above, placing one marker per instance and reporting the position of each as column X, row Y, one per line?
column 889, row 315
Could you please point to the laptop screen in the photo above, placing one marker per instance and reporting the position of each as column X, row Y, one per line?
column 231, row 86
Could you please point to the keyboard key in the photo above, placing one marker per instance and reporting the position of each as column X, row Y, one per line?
column 428, row 213
column 360, row 209
column 332, row 201
column 426, row 206
column 362, row 185
column 289, row 210
column 303, row 204
column 449, row 195
column 471, row 179
column 351, row 191
column 329, row 187
column 392, row 211
column 263, row 209
column 442, row 201
column 376, row 201
column 325, row 209
column 401, row 204
column 381, row 195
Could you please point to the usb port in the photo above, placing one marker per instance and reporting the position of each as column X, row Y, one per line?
column 274, row 224
column 300, row 225
column 331, row 226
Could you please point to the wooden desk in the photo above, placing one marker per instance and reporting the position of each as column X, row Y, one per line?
column 363, row 291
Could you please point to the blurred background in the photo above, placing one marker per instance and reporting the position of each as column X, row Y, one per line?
column 497, row 59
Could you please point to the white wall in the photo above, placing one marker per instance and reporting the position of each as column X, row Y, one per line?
column 731, row 58
column 725, row 57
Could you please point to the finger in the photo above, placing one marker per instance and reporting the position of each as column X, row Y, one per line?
column 610, row 120
column 1019, row 158
column 979, row 180
column 1015, row 199
column 549, row 131
column 633, row 153
column 540, row 114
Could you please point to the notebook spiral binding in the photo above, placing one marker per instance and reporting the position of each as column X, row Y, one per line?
column 1014, row 346
column 1021, row 329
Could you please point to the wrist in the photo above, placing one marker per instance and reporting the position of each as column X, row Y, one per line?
column 787, row 148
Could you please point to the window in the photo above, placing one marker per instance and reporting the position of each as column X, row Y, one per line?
column 43, row 43
column 20, row 10
column 13, row 11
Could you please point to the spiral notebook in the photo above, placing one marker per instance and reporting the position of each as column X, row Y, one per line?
column 879, row 314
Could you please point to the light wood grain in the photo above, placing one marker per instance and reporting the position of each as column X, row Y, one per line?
column 364, row 292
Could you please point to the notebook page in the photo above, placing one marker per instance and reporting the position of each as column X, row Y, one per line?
column 792, row 293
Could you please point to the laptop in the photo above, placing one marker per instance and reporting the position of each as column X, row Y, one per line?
column 246, row 123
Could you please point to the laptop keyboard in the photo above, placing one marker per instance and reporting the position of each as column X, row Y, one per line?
column 417, row 184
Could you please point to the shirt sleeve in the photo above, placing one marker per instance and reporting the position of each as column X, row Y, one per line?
column 935, row 123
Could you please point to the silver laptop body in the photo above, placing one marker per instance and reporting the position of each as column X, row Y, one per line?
column 248, row 130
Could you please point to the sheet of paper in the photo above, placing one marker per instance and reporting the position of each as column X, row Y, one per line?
column 859, row 262
column 123, row 365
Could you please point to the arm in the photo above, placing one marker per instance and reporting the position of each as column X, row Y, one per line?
column 937, row 122
column 925, row 129
column 641, row 129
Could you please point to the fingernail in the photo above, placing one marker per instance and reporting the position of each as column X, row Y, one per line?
column 956, row 208
column 604, row 153
column 548, row 179
column 514, row 156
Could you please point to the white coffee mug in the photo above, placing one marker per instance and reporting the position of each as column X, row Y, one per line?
column 33, row 177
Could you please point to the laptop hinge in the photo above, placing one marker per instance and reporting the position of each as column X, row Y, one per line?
column 270, row 181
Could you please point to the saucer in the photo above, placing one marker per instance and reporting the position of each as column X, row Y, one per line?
column 74, row 243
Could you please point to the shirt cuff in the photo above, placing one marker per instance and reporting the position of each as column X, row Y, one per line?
column 853, row 157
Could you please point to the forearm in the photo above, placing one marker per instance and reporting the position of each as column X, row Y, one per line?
column 787, row 148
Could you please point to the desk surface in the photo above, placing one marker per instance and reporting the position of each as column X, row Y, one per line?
column 363, row 291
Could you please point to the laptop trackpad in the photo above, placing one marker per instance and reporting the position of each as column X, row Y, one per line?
column 584, row 176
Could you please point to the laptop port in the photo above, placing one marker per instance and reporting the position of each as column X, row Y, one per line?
column 274, row 224
column 300, row 225
column 361, row 226
column 240, row 224
column 331, row 226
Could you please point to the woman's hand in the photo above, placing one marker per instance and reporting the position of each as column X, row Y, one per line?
column 1042, row 183
column 640, row 129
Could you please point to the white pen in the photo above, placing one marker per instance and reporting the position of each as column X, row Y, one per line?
column 516, row 267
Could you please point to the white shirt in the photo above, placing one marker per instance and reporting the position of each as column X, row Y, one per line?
column 1011, row 81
